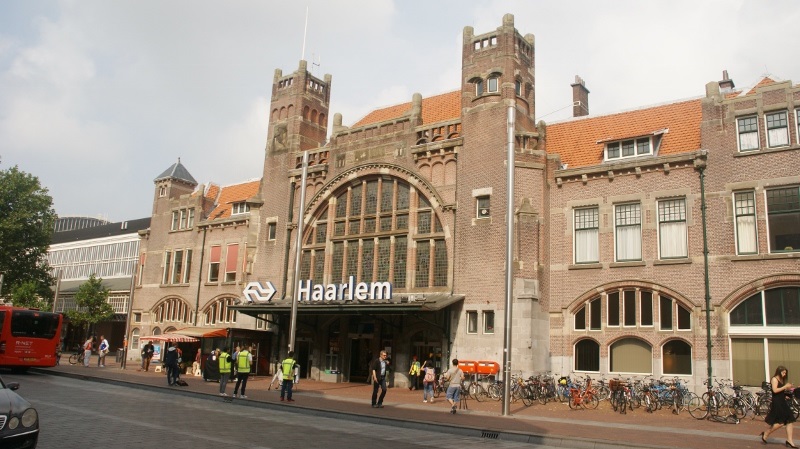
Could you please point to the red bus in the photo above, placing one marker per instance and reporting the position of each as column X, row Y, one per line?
column 28, row 337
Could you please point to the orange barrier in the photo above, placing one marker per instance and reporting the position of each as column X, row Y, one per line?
column 468, row 366
column 485, row 367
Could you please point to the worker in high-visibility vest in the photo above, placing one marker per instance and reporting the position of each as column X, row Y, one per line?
column 243, row 361
column 287, row 368
column 225, row 362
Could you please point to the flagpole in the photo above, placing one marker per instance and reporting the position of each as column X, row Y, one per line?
column 298, row 253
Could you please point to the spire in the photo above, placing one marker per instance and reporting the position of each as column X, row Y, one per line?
column 178, row 172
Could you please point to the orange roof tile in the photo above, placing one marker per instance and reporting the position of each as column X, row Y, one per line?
column 236, row 193
column 576, row 141
column 438, row 108
column 766, row 81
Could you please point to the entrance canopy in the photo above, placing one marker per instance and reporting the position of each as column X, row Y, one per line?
column 170, row 337
column 203, row 332
column 398, row 305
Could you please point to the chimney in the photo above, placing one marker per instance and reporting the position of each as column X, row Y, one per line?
column 726, row 85
column 580, row 98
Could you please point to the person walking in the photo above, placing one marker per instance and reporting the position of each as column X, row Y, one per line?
column 102, row 350
column 225, row 361
column 243, row 361
column 780, row 414
column 287, row 368
column 197, row 362
column 454, row 375
column 428, row 380
column 413, row 373
column 87, row 352
column 171, row 360
column 147, row 355
column 377, row 370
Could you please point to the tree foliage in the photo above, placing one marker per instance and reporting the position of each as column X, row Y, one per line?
column 26, row 228
column 27, row 295
column 92, row 302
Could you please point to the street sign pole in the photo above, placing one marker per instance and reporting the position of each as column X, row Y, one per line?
column 298, row 250
column 509, row 263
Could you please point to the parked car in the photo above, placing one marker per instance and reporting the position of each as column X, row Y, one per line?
column 19, row 422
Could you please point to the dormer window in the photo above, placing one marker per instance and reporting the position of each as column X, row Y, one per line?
column 629, row 148
column 240, row 208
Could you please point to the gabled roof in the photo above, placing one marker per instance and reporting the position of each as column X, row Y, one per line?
column 580, row 142
column 177, row 171
column 438, row 108
column 228, row 195
column 766, row 81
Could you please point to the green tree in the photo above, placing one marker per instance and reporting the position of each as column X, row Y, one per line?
column 92, row 302
column 26, row 294
column 26, row 229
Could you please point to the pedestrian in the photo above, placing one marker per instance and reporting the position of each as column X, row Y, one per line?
column 224, row 370
column 780, row 414
column 454, row 375
column 242, row 361
column 287, row 368
column 378, row 369
column 87, row 352
column 413, row 373
column 428, row 380
column 278, row 377
column 147, row 355
column 102, row 350
column 196, row 363
column 171, row 360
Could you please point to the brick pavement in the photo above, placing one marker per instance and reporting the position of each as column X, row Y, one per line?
column 553, row 424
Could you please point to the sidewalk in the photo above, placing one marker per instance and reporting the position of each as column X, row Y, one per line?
column 554, row 423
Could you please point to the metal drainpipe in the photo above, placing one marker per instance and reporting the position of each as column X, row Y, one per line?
column 288, row 239
column 200, row 277
column 705, row 257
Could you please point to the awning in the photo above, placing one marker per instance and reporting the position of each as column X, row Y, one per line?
column 203, row 332
column 170, row 337
column 400, row 304
column 112, row 284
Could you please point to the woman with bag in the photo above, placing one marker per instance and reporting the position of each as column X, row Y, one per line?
column 780, row 414
column 102, row 351
column 428, row 380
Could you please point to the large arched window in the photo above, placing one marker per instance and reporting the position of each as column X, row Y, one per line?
column 587, row 355
column 172, row 310
column 631, row 355
column 763, row 330
column 219, row 312
column 677, row 357
column 371, row 226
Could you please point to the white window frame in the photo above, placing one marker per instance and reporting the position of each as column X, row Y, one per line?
column 744, row 210
column 624, row 308
column 784, row 136
column 472, row 322
column 493, row 84
column 586, row 235
column 739, row 133
column 272, row 230
column 175, row 220
column 479, row 88
column 240, row 208
column 608, row 308
column 678, row 327
column 637, row 148
column 632, row 228
column 672, row 229
column 769, row 219
column 483, row 206
column 486, row 314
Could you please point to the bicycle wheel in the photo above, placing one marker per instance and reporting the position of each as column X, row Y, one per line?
column 591, row 401
column 603, row 393
column 437, row 390
column 698, row 407
column 73, row 359
column 573, row 401
column 480, row 393
column 495, row 391
column 527, row 395
column 738, row 408
column 649, row 403
column 763, row 406
column 543, row 393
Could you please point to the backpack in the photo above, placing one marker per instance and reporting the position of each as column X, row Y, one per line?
column 430, row 375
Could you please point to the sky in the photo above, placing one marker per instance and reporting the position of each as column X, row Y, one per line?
column 99, row 97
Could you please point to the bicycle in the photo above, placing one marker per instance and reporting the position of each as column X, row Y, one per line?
column 714, row 405
column 440, row 386
column 77, row 358
column 586, row 397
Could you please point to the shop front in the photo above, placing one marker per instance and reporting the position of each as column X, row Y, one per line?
column 336, row 340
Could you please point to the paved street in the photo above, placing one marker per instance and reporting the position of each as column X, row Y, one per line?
column 79, row 414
